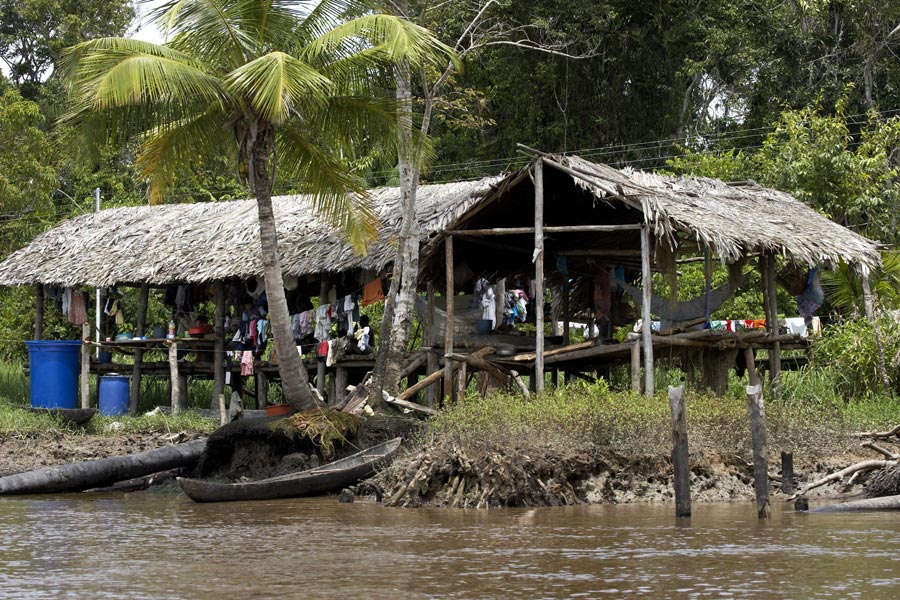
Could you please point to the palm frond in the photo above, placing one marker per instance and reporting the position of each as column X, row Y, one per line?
column 277, row 83
column 340, row 198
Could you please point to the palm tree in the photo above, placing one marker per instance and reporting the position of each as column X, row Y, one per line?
column 292, row 80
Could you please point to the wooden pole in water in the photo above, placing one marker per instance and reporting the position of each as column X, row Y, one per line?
column 646, row 323
column 85, row 365
column 449, row 388
column 539, row 275
column 758, row 432
column 682, row 478
column 787, row 473
column 139, row 325
column 38, row 311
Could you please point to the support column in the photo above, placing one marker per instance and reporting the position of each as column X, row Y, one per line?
column 682, row 475
column 760, row 464
column 340, row 384
column 139, row 325
column 449, row 388
column 38, row 311
column 432, row 395
column 85, row 365
column 324, row 286
column 646, row 329
column 636, row 366
column 174, row 377
column 775, row 348
column 219, row 347
column 539, row 275
column 262, row 389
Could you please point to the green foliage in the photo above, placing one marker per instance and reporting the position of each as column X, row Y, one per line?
column 850, row 353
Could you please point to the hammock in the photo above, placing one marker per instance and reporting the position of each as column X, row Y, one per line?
column 686, row 310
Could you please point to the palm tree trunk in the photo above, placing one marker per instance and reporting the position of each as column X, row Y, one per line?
column 294, row 380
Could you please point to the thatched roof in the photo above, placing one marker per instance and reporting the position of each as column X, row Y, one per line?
column 733, row 219
column 213, row 241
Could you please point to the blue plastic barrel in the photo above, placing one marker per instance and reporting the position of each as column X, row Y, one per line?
column 54, row 372
column 113, row 395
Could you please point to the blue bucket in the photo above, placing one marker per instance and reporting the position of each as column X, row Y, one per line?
column 113, row 395
column 54, row 372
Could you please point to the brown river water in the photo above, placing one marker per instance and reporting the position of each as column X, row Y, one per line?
column 161, row 545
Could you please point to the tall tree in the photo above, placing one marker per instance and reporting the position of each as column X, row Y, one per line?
column 271, row 77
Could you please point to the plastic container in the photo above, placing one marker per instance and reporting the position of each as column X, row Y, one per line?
column 113, row 395
column 54, row 372
column 278, row 409
column 483, row 326
column 104, row 357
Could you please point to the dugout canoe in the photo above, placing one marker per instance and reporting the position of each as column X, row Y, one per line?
column 320, row 480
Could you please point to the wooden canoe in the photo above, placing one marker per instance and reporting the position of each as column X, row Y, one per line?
column 319, row 480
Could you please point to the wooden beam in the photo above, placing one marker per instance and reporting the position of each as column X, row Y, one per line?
column 340, row 384
column 409, row 405
column 448, row 326
column 219, row 347
column 539, row 274
column 432, row 395
column 599, row 252
column 646, row 328
column 139, row 326
column 554, row 352
column 636, row 366
column 38, row 311
column 548, row 229
column 174, row 377
column 565, row 310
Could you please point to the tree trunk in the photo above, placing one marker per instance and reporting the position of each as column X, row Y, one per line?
column 400, row 303
column 294, row 380
column 98, row 473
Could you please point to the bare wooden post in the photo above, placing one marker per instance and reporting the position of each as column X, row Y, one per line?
column 262, row 389
column 433, row 393
column 539, row 275
column 463, row 375
column 139, row 325
column 565, row 310
column 85, row 365
column 636, row 366
column 775, row 348
column 340, row 384
column 787, row 473
column 38, row 311
column 320, row 365
column 174, row 377
column 682, row 478
column 760, row 465
column 646, row 323
column 448, row 328
column 219, row 347
column 869, row 302
column 750, row 359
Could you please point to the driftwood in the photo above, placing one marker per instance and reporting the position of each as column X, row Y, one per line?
column 410, row 405
column 881, row 435
column 866, row 465
column 883, row 503
column 80, row 476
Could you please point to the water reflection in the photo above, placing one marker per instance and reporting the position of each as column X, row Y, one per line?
column 156, row 545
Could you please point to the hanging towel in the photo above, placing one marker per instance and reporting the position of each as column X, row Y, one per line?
column 372, row 293
column 246, row 363
column 349, row 305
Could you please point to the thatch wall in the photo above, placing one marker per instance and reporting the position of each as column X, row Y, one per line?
column 184, row 243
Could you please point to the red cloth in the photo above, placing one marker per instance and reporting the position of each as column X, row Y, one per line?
column 372, row 293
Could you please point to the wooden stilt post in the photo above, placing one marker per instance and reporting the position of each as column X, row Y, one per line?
column 760, row 465
column 750, row 359
column 539, row 274
column 433, row 393
column 565, row 310
column 463, row 376
column 682, row 478
column 85, row 365
column 38, row 311
column 139, row 326
column 219, row 347
column 340, row 384
column 636, row 366
column 449, row 388
column 320, row 365
column 787, row 473
column 775, row 348
column 646, row 327
column 262, row 389
column 174, row 377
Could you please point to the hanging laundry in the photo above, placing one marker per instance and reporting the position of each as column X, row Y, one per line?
column 329, row 356
column 489, row 304
column 323, row 322
column 77, row 309
column 373, row 292
column 246, row 363
column 796, row 326
column 66, row 301
column 307, row 319
column 349, row 305
column 812, row 297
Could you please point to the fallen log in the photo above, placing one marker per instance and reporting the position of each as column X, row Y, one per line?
column 79, row 476
column 866, row 465
column 883, row 503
